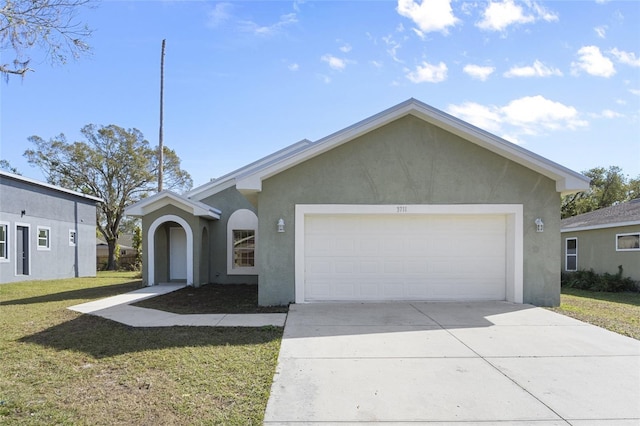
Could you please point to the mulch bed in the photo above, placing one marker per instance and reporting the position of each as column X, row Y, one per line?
column 212, row 299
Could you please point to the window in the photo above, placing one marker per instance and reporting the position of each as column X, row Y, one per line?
column 571, row 254
column 242, row 243
column 628, row 242
column 73, row 239
column 44, row 242
column 4, row 239
column 244, row 248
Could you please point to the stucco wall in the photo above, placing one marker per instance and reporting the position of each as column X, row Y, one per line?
column 409, row 162
column 228, row 201
column 597, row 251
column 58, row 211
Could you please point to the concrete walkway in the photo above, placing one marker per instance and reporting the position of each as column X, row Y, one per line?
column 119, row 309
column 488, row 363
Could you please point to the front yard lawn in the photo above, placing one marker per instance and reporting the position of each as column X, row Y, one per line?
column 619, row 312
column 62, row 367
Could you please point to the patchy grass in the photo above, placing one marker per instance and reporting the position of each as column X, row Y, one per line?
column 62, row 367
column 619, row 312
column 212, row 299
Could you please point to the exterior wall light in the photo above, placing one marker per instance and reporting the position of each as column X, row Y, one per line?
column 539, row 225
column 281, row 225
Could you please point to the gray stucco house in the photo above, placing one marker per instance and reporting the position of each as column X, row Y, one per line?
column 603, row 239
column 409, row 204
column 46, row 231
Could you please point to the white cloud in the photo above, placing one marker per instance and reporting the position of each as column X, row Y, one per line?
column 500, row 15
column 628, row 58
column 429, row 15
column 486, row 117
column 533, row 112
column 428, row 73
column 219, row 14
column 529, row 115
column 635, row 91
column 335, row 63
column 601, row 31
column 346, row 48
column 593, row 62
column 392, row 48
column 269, row 30
column 607, row 113
column 294, row 67
column 377, row 64
column 538, row 69
column 478, row 72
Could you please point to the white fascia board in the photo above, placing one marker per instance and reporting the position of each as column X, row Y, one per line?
column 166, row 198
column 603, row 226
column 567, row 181
column 228, row 180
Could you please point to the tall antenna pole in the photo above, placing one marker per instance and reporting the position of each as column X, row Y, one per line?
column 161, row 144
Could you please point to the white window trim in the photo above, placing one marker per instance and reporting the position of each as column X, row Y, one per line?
column 625, row 234
column 48, row 246
column 73, row 243
column 515, row 234
column 566, row 255
column 7, row 236
column 245, row 220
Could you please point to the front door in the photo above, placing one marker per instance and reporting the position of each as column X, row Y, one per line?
column 22, row 250
column 177, row 254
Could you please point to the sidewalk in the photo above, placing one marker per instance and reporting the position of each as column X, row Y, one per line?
column 118, row 308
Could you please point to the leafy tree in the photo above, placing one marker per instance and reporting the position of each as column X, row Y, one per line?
column 6, row 166
column 608, row 187
column 48, row 24
column 117, row 165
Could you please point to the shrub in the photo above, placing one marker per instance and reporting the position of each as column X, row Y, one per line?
column 590, row 280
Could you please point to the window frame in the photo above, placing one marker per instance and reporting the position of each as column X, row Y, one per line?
column 4, row 252
column 47, row 238
column 242, row 220
column 241, row 251
column 73, row 242
column 624, row 235
column 567, row 254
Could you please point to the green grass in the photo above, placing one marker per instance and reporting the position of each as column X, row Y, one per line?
column 61, row 367
column 618, row 312
column 212, row 299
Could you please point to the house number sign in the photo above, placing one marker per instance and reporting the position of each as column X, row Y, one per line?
column 401, row 209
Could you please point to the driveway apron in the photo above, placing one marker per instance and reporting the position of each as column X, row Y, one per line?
column 451, row 363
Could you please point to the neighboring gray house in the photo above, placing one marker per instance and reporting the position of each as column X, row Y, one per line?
column 603, row 239
column 46, row 232
column 409, row 204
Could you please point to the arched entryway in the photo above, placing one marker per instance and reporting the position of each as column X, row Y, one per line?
column 179, row 247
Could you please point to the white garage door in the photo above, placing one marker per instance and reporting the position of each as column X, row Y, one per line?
column 398, row 257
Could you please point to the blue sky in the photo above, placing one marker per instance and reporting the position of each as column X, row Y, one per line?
column 244, row 79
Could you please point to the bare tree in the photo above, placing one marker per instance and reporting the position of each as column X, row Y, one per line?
column 51, row 25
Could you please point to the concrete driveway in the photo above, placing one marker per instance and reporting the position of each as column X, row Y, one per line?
column 449, row 363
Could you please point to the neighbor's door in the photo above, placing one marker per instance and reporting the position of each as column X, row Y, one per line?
column 22, row 250
column 177, row 254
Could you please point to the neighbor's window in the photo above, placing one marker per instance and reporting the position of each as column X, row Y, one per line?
column 43, row 238
column 571, row 254
column 3, row 242
column 73, row 238
column 628, row 242
column 244, row 248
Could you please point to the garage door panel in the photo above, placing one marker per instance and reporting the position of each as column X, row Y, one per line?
column 392, row 257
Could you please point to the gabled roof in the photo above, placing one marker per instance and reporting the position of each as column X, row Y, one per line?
column 165, row 198
column 228, row 180
column 48, row 186
column 249, row 180
column 623, row 214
